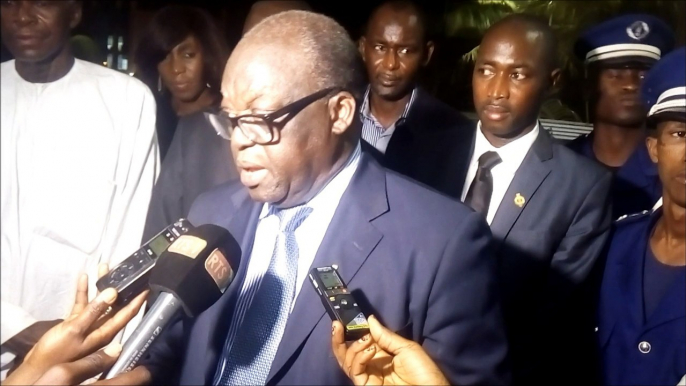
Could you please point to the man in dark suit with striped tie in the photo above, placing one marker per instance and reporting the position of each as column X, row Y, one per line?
column 309, row 197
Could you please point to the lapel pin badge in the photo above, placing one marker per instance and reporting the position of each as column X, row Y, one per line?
column 519, row 200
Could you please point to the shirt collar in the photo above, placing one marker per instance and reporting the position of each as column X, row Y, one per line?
column 332, row 191
column 74, row 68
column 366, row 110
column 512, row 153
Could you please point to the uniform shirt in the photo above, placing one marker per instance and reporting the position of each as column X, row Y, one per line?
column 372, row 131
column 309, row 236
column 639, row 346
column 512, row 156
column 657, row 279
column 79, row 160
column 636, row 186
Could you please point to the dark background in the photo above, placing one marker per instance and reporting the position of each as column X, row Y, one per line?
column 455, row 25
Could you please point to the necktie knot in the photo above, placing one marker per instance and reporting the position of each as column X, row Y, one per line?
column 489, row 160
column 481, row 189
column 290, row 219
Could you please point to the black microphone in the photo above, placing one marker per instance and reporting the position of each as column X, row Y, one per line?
column 192, row 274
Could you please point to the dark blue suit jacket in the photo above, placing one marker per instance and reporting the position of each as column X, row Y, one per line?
column 406, row 149
column 419, row 261
column 547, row 248
column 621, row 316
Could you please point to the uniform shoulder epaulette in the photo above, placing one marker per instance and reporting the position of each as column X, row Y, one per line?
column 629, row 218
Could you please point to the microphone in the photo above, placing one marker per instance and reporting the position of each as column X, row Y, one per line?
column 191, row 274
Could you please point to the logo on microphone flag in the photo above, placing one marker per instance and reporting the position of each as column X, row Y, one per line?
column 189, row 246
column 220, row 270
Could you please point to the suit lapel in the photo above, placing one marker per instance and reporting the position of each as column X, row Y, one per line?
column 458, row 164
column 399, row 146
column 406, row 133
column 218, row 317
column 528, row 178
column 349, row 240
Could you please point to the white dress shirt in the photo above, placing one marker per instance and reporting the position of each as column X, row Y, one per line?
column 78, row 162
column 309, row 236
column 511, row 155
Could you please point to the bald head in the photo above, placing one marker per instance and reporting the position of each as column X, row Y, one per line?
column 534, row 29
column 286, row 73
column 263, row 9
column 515, row 70
column 312, row 49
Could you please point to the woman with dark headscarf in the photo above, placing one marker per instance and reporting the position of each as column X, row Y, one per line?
column 182, row 56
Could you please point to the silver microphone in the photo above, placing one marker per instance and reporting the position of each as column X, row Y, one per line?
column 157, row 318
column 192, row 274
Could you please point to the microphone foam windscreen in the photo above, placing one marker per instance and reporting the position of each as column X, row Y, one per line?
column 198, row 267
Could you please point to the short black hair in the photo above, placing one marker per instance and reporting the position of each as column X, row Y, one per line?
column 404, row 5
column 537, row 24
column 169, row 27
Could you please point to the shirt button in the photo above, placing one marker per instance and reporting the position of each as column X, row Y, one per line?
column 644, row 347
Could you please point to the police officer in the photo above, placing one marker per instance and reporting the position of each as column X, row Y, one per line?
column 617, row 53
column 643, row 295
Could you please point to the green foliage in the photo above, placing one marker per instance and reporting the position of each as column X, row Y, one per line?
column 469, row 20
column 567, row 17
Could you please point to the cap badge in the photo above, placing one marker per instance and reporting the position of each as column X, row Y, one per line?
column 638, row 30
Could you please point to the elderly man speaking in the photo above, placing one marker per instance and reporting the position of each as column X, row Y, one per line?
column 309, row 197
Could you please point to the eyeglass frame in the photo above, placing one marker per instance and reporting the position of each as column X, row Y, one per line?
column 292, row 109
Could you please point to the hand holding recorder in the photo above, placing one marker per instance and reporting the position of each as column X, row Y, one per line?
column 384, row 358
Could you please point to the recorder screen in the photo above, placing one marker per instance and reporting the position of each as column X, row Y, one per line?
column 159, row 244
column 330, row 279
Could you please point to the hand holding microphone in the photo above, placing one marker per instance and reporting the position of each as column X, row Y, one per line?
column 384, row 358
column 68, row 353
column 192, row 274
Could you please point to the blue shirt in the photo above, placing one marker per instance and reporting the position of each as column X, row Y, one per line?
column 636, row 186
column 657, row 278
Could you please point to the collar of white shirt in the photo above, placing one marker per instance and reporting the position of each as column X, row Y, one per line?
column 512, row 153
column 512, row 156
column 329, row 196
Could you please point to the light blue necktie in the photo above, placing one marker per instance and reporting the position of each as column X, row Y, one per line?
column 254, row 348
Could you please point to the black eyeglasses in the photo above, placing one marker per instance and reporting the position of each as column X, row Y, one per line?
column 262, row 128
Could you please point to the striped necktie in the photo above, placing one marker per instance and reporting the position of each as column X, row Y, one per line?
column 252, row 353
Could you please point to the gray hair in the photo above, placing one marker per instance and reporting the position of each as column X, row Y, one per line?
column 329, row 57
